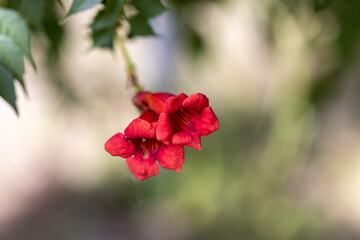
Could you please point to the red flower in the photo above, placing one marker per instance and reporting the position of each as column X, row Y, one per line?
column 151, row 101
column 182, row 119
column 140, row 148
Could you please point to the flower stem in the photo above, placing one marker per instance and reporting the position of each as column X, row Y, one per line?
column 130, row 68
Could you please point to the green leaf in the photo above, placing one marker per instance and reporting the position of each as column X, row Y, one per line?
column 193, row 40
column 149, row 8
column 7, row 90
column 32, row 11
column 11, row 57
column 52, row 31
column 106, row 22
column 81, row 5
column 140, row 26
column 15, row 27
column 321, row 4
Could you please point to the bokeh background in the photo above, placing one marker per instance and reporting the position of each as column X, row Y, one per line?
column 283, row 79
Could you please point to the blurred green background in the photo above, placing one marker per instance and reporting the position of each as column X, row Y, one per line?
column 283, row 79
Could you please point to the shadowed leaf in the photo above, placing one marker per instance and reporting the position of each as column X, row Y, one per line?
column 105, row 23
column 7, row 90
column 149, row 8
column 11, row 58
column 81, row 5
column 15, row 27
column 32, row 11
column 140, row 26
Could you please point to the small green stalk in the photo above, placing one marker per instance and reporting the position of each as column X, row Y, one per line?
column 130, row 69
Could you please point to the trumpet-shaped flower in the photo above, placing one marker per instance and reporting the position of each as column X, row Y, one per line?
column 141, row 149
column 182, row 119
column 151, row 101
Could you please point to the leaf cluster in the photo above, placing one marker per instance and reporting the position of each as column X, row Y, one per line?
column 116, row 14
column 19, row 17
column 14, row 45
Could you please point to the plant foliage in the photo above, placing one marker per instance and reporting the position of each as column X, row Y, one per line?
column 14, row 44
column 18, row 16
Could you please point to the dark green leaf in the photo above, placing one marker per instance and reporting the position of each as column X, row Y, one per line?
column 140, row 26
column 15, row 27
column 181, row 3
column 325, row 88
column 149, row 8
column 32, row 10
column 106, row 22
column 322, row 4
column 81, row 5
column 193, row 40
column 55, row 34
column 7, row 90
column 52, row 30
column 11, row 57
column 348, row 18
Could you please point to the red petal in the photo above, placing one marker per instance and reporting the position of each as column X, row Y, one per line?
column 156, row 101
column 164, row 130
column 171, row 157
column 142, row 168
column 208, row 122
column 196, row 140
column 174, row 103
column 138, row 100
column 151, row 101
column 149, row 116
column 118, row 145
column 140, row 128
column 196, row 101
column 182, row 138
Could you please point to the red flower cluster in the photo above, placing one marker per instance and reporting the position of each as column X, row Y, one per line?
column 167, row 123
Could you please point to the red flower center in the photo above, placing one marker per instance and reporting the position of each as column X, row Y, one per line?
column 148, row 147
column 184, row 119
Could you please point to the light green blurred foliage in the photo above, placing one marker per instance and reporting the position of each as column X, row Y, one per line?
column 234, row 189
column 247, row 181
